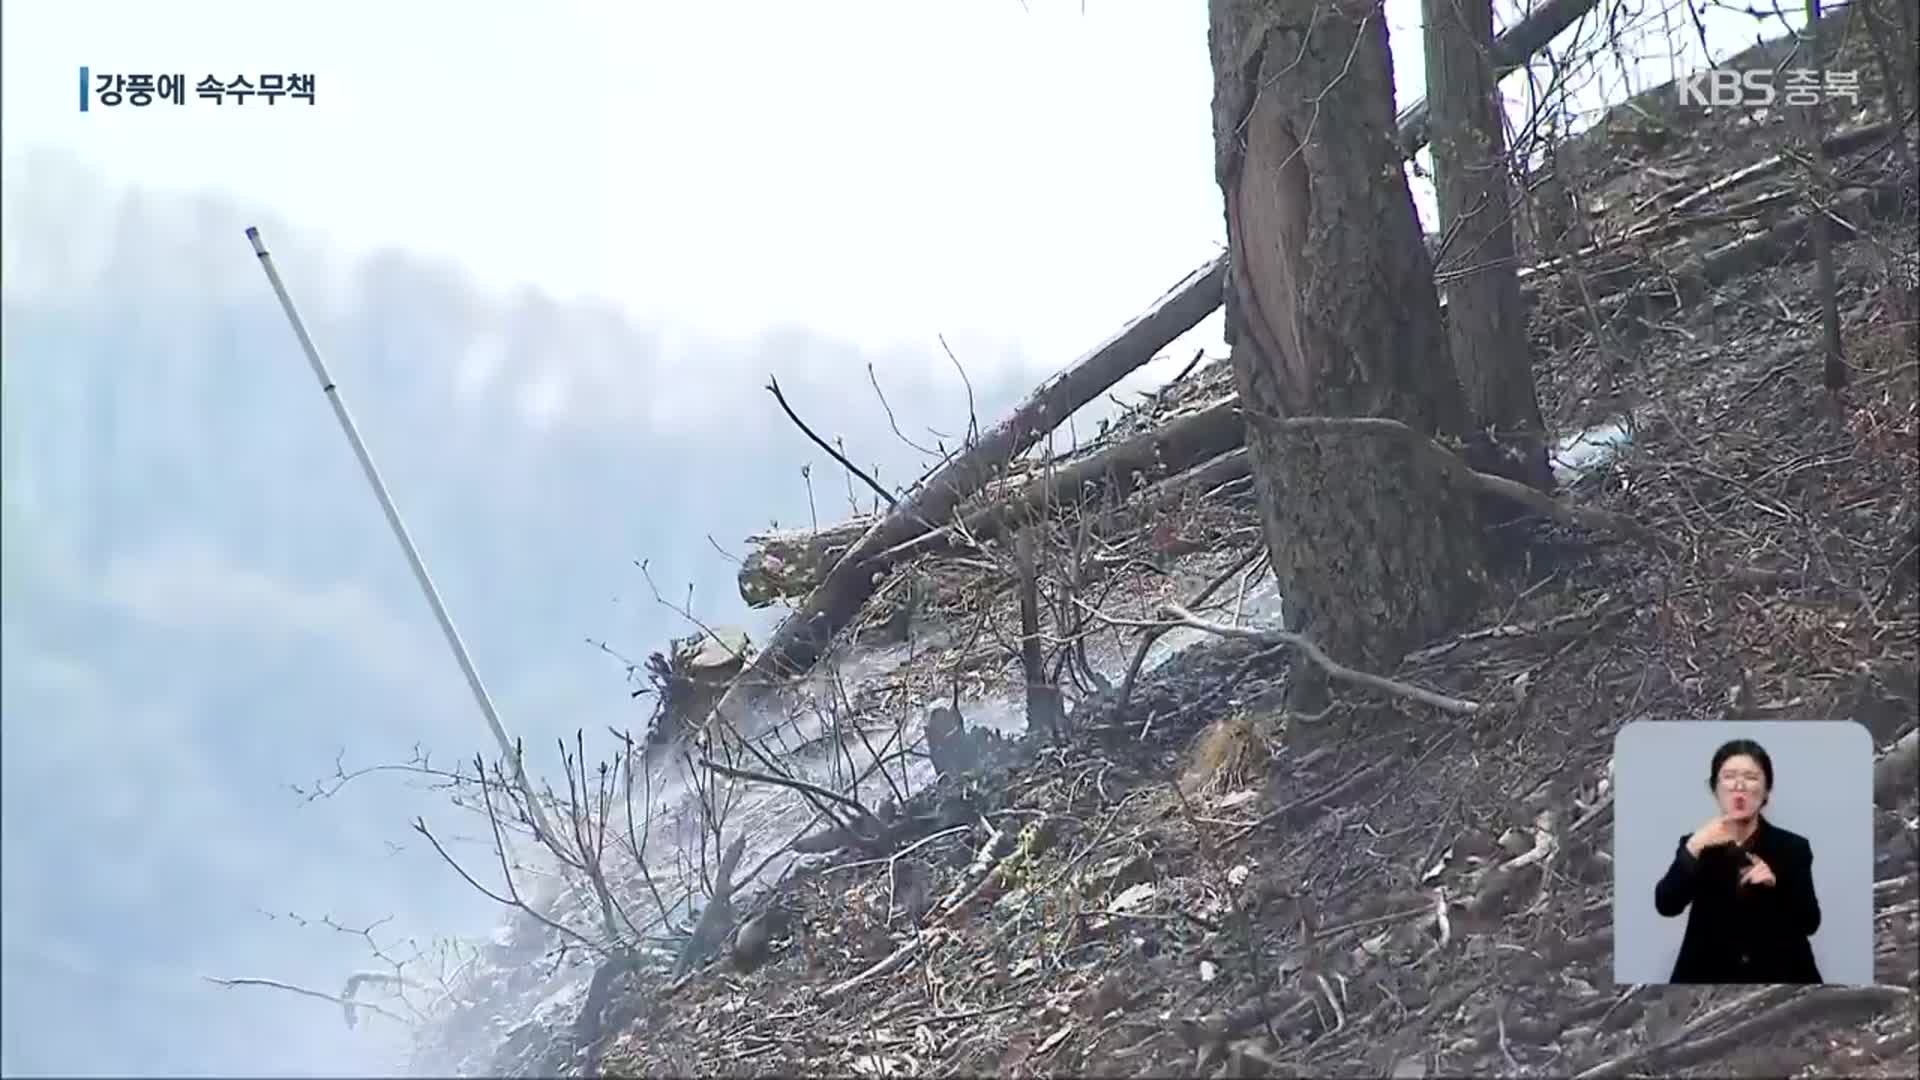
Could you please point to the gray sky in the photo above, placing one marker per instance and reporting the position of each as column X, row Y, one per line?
column 552, row 252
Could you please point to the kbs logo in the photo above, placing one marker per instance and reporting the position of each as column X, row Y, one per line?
column 1724, row 88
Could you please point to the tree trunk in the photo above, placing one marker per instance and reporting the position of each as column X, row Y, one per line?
column 1486, row 323
column 1819, row 190
column 1331, row 311
column 1514, row 47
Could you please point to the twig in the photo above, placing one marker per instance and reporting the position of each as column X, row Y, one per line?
column 895, row 424
column 1152, row 635
column 1219, row 868
column 345, row 1003
column 773, row 387
column 801, row 786
column 879, row 968
column 973, row 416
column 1198, row 355
column 512, row 900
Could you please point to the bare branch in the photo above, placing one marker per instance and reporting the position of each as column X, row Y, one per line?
column 773, row 387
column 346, row 1002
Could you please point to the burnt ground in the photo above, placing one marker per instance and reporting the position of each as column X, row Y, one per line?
column 1200, row 884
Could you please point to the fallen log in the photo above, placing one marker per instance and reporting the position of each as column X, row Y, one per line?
column 1170, row 448
column 1186, row 442
column 1779, row 244
column 789, row 562
column 1679, row 218
column 805, row 634
column 1201, row 450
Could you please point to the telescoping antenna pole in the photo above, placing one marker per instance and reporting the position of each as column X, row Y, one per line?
column 327, row 387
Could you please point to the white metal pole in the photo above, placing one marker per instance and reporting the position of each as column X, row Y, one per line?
column 459, row 648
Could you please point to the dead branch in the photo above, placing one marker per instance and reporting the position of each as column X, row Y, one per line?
column 513, row 898
column 1043, row 698
column 1778, row 244
column 1332, row 667
column 891, row 962
column 1768, row 1010
column 1893, row 774
column 805, row 635
column 773, row 387
column 637, row 845
column 973, row 881
column 346, row 1002
column 1676, row 219
column 1173, row 445
column 973, row 414
column 815, row 791
column 1153, row 634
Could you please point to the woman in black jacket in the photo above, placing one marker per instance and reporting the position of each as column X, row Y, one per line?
column 1748, row 881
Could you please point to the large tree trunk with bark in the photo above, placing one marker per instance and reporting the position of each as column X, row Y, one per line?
column 1331, row 311
column 1486, row 320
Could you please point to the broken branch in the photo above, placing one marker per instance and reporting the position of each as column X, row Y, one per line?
column 773, row 387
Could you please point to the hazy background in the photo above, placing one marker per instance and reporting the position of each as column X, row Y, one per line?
column 551, row 251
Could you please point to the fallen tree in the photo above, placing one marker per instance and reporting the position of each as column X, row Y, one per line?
column 793, row 562
column 844, row 589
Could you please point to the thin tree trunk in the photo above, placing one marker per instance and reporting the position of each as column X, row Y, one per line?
column 1514, row 47
column 1486, row 321
column 1331, row 311
column 1820, row 187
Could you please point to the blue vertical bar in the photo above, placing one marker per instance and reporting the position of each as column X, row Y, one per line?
column 84, row 83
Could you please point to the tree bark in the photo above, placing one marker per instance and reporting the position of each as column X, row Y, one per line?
column 1486, row 321
column 1331, row 311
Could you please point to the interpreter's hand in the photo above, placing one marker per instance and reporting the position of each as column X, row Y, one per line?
column 1714, row 833
column 1757, row 872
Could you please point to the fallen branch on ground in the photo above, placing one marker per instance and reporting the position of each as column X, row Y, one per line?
column 1779, row 244
column 1674, row 220
column 1149, row 636
column 1893, row 774
column 1784, row 1005
column 888, row 963
column 1332, row 667
column 974, row 879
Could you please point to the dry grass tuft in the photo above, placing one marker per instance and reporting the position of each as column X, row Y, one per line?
column 1226, row 754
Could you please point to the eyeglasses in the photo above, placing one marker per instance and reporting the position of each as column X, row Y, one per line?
column 1741, row 780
